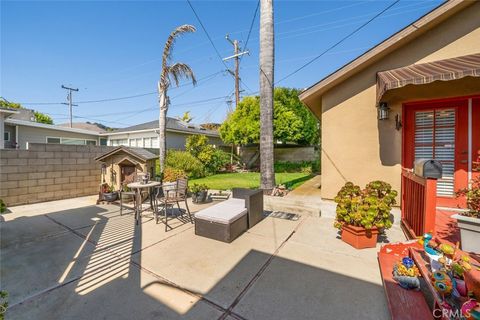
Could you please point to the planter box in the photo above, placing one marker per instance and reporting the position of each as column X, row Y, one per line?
column 218, row 196
column 469, row 233
column 200, row 197
column 110, row 196
column 359, row 237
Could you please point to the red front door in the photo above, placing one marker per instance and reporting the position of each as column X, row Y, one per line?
column 441, row 130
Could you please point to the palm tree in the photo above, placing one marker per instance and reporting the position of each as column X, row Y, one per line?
column 170, row 72
column 267, row 174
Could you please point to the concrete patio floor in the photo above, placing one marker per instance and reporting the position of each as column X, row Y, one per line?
column 72, row 259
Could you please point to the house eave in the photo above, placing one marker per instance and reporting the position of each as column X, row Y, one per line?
column 49, row 126
column 412, row 31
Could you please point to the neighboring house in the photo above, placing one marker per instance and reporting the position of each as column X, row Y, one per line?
column 23, row 132
column 84, row 126
column 427, row 118
column 19, row 128
column 145, row 135
column 5, row 113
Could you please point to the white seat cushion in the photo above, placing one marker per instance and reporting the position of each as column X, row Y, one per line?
column 225, row 212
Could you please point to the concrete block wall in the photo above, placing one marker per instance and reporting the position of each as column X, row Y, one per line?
column 49, row 172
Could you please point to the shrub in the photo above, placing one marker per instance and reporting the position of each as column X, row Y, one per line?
column 171, row 174
column 184, row 161
column 366, row 208
column 3, row 206
column 212, row 159
column 3, row 303
column 195, row 188
column 195, row 144
column 304, row 166
column 473, row 199
column 218, row 160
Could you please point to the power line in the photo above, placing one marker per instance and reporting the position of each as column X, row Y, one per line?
column 206, row 32
column 336, row 25
column 338, row 42
column 206, row 78
column 251, row 24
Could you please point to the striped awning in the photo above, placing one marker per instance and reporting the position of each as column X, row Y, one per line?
column 443, row 70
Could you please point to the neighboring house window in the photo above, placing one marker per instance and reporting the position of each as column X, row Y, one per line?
column 53, row 140
column 147, row 142
column 6, row 136
column 119, row 142
column 72, row 141
column 136, row 142
column 154, row 142
column 103, row 141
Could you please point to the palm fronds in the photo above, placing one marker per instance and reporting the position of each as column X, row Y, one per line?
column 168, row 49
column 181, row 70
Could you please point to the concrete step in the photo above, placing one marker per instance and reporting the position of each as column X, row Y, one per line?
column 310, row 206
column 291, row 205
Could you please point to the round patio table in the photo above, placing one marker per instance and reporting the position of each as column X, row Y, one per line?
column 138, row 186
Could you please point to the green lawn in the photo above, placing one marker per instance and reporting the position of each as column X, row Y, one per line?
column 251, row 180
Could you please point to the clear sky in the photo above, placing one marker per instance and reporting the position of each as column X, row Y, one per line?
column 112, row 49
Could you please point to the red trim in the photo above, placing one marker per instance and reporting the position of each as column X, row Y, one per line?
column 460, row 105
column 442, row 100
column 475, row 137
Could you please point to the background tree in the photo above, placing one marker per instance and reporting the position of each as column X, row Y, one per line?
column 186, row 117
column 267, row 56
column 292, row 122
column 39, row 117
column 170, row 72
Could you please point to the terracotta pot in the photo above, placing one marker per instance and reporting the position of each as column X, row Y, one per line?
column 359, row 237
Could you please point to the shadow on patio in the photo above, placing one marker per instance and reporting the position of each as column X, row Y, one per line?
column 83, row 267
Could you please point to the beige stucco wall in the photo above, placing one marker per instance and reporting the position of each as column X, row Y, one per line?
column 359, row 148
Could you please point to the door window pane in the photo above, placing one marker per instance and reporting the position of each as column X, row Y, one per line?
column 435, row 139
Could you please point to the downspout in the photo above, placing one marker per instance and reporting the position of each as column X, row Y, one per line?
column 470, row 144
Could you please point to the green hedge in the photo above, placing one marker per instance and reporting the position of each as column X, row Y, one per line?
column 184, row 161
column 304, row 166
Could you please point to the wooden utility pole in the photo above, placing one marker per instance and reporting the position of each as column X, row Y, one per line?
column 70, row 102
column 236, row 55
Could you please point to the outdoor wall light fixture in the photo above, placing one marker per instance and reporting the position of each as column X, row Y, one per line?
column 382, row 111
column 398, row 122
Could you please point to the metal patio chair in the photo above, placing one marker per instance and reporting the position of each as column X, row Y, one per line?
column 128, row 194
column 168, row 197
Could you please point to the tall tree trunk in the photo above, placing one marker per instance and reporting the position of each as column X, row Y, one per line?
column 162, row 127
column 267, row 49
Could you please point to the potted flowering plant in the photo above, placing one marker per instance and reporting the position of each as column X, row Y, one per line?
column 469, row 221
column 199, row 193
column 109, row 193
column 363, row 214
